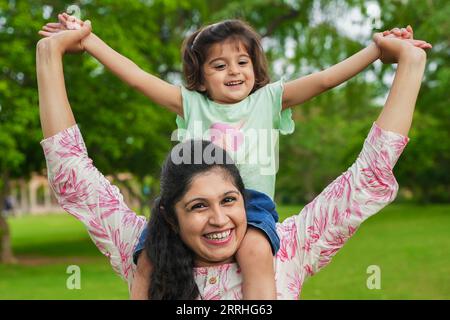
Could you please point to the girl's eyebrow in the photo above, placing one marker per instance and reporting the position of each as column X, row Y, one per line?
column 222, row 58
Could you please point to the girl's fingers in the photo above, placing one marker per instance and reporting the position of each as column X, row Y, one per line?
column 71, row 22
column 62, row 18
column 410, row 30
column 405, row 34
column 377, row 37
column 396, row 31
column 73, row 26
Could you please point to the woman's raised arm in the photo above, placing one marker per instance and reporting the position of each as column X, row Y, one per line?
column 398, row 110
column 313, row 237
column 54, row 108
column 79, row 187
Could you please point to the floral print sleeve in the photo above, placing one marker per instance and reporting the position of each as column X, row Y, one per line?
column 309, row 240
column 86, row 194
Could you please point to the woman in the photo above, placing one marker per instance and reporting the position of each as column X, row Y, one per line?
column 199, row 221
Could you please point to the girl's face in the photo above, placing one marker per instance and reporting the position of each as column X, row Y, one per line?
column 211, row 217
column 228, row 72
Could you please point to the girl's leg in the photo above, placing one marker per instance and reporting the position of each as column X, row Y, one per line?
column 256, row 262
column 141, row 282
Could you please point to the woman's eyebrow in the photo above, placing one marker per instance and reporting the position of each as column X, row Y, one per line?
column 205, row 199
column 231, row 191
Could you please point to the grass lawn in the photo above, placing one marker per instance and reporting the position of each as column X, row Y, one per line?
column 410, row 244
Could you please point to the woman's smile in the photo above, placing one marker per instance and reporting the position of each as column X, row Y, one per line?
column 219, row 238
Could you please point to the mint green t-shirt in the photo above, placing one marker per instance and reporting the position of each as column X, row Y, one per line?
column 247, row 130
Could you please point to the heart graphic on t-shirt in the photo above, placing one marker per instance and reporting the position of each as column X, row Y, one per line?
column 226, row 136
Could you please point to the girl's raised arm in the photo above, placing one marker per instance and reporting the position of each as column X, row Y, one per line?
column 156, row 89
column 305, row 88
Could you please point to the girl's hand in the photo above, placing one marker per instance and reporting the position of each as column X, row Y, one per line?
column 65, row 23
column 403, row 33
column 64, row 40
column 70, row 22
column 393, row 49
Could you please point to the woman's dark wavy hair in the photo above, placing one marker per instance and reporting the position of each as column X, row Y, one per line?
column 196, row 47
column 172, row 262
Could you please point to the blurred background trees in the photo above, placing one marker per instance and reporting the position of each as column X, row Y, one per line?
column 124, row 131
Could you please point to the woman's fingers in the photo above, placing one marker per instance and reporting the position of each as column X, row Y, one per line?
column 45, row 33
column 54, row 25
column 416, row 42
column 420, row 43
column 51, row 29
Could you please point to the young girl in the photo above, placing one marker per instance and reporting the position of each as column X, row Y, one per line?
column 229, row 99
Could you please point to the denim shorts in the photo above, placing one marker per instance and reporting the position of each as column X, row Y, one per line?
column 261, row 214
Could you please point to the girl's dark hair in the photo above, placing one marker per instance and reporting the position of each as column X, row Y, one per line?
column 172, row 274
column 196, row 47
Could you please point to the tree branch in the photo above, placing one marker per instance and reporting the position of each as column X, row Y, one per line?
column 275, row 23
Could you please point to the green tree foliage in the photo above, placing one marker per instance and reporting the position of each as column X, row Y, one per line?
column 426, row 162
column 19, row 130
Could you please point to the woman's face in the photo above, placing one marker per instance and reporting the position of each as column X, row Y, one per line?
column 211, row 218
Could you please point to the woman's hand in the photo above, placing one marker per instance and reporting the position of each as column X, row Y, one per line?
column 394, row 49
column 66, row 23
column 388, row 53
column 63, row 40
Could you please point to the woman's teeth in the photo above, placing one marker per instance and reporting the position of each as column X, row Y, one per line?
column 218, row 236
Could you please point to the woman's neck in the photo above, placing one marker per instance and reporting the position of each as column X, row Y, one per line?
column 200, row 263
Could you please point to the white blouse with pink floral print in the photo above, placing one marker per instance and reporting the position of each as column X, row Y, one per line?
column 308, row 240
